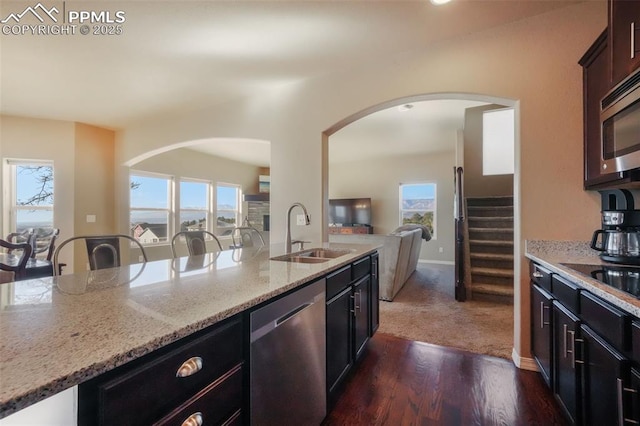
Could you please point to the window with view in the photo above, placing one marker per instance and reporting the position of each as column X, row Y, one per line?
column 228, row 208
column 418, row 205
column 150, row 207
column 194, row 205
column 32, row 193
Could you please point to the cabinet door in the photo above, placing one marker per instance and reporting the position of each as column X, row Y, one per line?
column 375, row 295
column 624, row 30
column 603, row 379
column 566, row 367
column 595, row 84
column 339, row 324
column 541, row 316
column 361, row 296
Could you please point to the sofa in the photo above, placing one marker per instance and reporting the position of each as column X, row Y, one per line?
column 399, row 253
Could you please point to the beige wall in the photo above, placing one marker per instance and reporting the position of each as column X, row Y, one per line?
column 532, row 62
column 83, row 159
column 475, row 183
column 36, row 139
column 379, row 179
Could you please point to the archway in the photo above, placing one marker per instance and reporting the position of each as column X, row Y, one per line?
column 435, row 97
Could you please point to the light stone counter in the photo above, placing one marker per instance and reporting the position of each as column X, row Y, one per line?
column 552, row 255
column 59, row 332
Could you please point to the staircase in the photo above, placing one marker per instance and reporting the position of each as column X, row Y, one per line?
column 490, row 227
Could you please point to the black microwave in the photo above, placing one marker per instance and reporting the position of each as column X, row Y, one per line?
column 620, row 126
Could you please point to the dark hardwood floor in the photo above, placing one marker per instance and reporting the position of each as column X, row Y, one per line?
column 402, row 382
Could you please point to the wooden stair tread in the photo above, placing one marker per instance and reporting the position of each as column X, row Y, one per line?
column 492, row 289
column 491, row 256
column 490, row 218
column 499, row 230
column 492, row 242
column 492, row 272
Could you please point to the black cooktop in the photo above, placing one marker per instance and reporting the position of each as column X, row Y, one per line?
column 622, row 277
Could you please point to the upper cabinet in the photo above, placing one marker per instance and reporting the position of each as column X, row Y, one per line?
column 607, row 62
column 624, row 33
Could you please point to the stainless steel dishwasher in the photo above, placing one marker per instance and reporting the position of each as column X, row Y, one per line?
column 288, row 359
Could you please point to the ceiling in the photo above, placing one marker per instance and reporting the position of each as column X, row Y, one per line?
column 186, row 55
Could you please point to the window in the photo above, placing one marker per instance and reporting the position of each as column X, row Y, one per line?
column 418, row 205
column 498, row 140
column 31, row 195
column 150, row 203
column 194, row 205
column 228, row 208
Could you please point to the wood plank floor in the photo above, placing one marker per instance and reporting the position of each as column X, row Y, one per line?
column 402, row 382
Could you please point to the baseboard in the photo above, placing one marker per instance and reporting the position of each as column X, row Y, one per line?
column 523, row 363
column 439, row 262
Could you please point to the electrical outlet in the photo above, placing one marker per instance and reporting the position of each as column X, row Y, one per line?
column 441, row 250
column 140, row 258
column 300, row 220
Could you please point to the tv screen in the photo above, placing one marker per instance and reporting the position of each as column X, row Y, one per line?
column 350, row 211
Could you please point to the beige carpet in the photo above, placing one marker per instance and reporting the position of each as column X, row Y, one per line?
column 425, row 310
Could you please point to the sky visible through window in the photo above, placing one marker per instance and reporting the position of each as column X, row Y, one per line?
column 34, row 187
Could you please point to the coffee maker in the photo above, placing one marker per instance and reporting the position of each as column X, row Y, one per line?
column 619, row 239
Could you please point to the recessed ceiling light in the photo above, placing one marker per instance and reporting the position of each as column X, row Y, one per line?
column 439, row 2
column 405, row 107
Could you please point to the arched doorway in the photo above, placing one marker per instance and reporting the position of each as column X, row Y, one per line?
column 483, row 99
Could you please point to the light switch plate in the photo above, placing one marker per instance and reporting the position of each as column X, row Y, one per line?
column 91, row 218
column 300, row 220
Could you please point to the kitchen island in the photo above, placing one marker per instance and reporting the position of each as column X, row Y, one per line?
column 63, row 331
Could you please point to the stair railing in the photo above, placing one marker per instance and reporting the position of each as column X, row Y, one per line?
column 460, row 291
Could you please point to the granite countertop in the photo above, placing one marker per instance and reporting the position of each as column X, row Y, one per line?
column 554, row 254
column 61, row 331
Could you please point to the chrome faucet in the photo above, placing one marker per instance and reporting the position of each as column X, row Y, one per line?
column 288, row 234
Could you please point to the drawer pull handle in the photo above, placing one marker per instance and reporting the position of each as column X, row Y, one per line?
column 537, row 274
column 194, row 420
column 190, row 367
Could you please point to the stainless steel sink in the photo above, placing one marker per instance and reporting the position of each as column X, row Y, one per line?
column 313, row 255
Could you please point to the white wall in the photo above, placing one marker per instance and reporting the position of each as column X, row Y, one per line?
column 532, row 61
column 379, row 180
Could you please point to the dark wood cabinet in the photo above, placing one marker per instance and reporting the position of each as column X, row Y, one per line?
column 541, row 331
column 596, row 83
column 603, row 379
column 361, row 295
column 566, row 366
column 606, row 63
column 351, row 312
column 339, row 346
column 624, row 33
column 375, row 294
column 171, row 384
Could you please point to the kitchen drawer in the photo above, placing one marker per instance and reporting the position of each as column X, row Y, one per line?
column 338, row 281
column 540, row 276
column 566, row 293
column 360, row 268
column 219, row 403
column 608, row 321
column 635, row 340
column 142, row 394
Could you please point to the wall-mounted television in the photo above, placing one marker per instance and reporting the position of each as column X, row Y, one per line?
column 350, row 211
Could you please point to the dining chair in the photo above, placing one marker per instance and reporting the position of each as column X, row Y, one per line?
column 247, row 236
column 12, row 262
column 45, row 243
column 103, row 251
column 196, row 241
column 25, row 236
